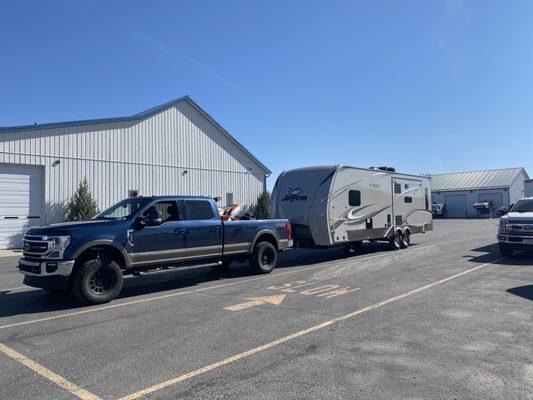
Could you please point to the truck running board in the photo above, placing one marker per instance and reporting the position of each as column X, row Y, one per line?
column 166, row 270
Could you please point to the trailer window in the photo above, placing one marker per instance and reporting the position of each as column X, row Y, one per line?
column 427, row 198
column 408, row 199
column 354, row 198
column 397, row 188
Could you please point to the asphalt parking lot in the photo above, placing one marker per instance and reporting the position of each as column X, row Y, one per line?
column 445, row 318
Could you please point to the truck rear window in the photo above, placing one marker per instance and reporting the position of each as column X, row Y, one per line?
column 199, row 210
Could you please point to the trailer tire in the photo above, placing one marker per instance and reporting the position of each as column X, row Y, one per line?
column 396, row 241
column 406, row 239
column 264, row 257
column 97, row 281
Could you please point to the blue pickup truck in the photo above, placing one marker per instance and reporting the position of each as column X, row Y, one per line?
column 144, row 235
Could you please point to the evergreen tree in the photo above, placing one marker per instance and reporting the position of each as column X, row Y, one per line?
column 82, row 206
column 262, row 207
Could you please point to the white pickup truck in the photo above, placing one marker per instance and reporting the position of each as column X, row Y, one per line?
column 516, row 228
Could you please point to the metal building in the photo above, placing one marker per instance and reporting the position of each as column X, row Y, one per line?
column 460, row 191
column 175, row 148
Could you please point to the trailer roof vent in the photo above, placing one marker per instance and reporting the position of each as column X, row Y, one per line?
column 389, row 169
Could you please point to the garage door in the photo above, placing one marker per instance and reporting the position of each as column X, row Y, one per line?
column 496, row 198
column 455, row 205
column 21, row 202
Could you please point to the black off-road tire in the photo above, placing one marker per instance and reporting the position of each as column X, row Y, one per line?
column 97, row 281
column 406, row 239
column 264, row 257
column 396, row 241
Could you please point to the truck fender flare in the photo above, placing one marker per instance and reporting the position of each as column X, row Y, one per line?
column 104, row 242
column 268, row 232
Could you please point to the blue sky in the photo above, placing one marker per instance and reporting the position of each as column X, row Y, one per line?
column 425, row 86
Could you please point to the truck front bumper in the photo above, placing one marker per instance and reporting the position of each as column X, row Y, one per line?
column 516, row 242
column 46, row 274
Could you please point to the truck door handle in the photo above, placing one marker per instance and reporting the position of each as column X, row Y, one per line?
column 215, row 229
column 179, row 230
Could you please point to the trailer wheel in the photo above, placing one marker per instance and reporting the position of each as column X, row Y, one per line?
column 406, row 239
column 264, row 257
column 97, row 281
column 396, row 240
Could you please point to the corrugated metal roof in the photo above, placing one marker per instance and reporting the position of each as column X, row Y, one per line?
column 495, row 178
column 138, row 117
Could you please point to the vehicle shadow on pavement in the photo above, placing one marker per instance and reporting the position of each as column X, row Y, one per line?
column 523, row 291
column 39, row 301
column 492, row 255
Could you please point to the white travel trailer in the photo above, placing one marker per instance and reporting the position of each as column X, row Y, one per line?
column 340, row 205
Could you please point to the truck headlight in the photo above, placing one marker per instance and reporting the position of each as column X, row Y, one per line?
column 60, row 243
column 505, row 226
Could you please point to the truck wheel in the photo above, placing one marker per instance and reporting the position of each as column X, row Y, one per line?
column 264, row 257
column 396, row 241
column 505, row 251
column 406, row 239
column 97, row 281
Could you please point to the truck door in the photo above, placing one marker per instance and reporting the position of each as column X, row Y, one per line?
column 162, row 243
column 204, row 230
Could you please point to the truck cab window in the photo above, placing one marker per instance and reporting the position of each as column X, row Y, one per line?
column 168, row 209
column 354, row 198
column 199, row 210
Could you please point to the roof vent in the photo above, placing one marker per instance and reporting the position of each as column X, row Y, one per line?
column 388, row 169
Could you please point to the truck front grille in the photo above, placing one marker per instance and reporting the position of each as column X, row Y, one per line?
column 36, row 246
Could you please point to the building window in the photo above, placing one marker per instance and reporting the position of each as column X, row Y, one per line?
column 354, row 198
column 408, row 199
column 397, row 188
column 229, row 199
column 199, row 210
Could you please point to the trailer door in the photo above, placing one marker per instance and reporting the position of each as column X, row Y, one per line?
column 408, row 200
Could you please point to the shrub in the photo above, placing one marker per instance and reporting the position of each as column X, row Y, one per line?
column 262, row 206
column 82, row 206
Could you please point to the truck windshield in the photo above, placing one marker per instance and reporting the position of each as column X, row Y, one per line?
column 523, row 206
column 123, row 210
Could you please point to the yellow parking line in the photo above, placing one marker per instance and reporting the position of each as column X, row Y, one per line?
column 293, row 336
column 49, row 375
column 165, row 296
column 170, row 295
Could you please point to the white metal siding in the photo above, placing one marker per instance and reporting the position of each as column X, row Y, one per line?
column 177, row 151
column 21, row 202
